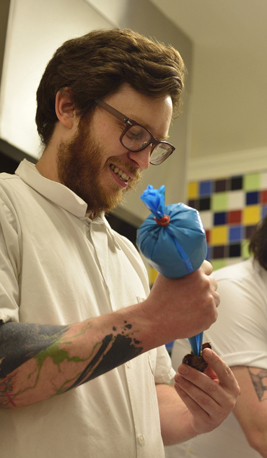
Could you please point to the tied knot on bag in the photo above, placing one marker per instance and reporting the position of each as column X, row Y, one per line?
column 164, row 221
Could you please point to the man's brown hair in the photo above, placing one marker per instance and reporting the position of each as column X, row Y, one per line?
column 258, row 243
column 98, row 63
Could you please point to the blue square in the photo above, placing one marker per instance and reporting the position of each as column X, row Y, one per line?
column 169, row 346
column 252, row 198
column 209, row 253
column 235, row 233
column 205, row 188
column 219, row 219
column 263, row 211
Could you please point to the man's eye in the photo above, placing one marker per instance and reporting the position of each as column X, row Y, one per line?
column 137, row 134
column 133, row 135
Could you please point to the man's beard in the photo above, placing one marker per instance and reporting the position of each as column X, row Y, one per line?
column 79, row 167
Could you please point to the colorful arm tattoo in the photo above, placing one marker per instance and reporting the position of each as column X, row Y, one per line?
column 22, row 343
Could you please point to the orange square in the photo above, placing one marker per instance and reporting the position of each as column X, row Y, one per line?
column 263, row 196
column 234, row 217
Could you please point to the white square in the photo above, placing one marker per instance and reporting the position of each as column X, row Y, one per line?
column 236, row 200
column 263, row 180
column 207, row 219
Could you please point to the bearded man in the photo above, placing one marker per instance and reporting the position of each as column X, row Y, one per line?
column 83, row 367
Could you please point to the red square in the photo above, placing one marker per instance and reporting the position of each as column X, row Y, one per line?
column 234, row 217
column 208, row 236
column 263, row 196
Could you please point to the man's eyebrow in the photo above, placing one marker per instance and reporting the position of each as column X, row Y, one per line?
column 150, row 128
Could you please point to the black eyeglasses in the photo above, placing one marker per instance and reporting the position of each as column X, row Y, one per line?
column 136, row 137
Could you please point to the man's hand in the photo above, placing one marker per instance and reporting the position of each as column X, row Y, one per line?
column 204, row 400
column 183, row 307
column 209, row 397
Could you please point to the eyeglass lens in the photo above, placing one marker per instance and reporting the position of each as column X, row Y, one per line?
column 137, row 138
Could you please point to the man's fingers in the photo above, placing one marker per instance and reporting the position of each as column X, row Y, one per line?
column 219, row 383
column 210, row 397
column 213, row 283
column 224, row 374
column 206, row 267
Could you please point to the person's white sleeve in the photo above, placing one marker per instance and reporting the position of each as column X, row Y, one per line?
column 9, row 264
column 161, row 365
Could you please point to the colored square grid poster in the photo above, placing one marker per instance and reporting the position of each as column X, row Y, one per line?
column 230, row 209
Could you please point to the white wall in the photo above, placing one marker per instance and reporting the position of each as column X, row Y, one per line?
column 216, row 152
column 36, row 28
column 228, row 164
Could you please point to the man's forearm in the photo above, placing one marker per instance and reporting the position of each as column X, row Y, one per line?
column 41, row 361
column 38, row 362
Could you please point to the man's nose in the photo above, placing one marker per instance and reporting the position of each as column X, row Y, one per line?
column 142, row 158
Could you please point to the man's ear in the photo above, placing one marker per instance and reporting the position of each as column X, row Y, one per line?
column 64, row 107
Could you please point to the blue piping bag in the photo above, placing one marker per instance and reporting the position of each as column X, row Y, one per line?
column 173, row 240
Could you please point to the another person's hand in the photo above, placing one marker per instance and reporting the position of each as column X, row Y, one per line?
column 209, row 397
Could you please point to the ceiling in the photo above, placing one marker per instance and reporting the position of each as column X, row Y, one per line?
column 229, row 95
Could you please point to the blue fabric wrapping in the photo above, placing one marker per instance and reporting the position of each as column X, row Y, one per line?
column 177, row 249
column 174, row 250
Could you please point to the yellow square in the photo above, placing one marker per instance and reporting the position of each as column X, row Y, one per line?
column 219, row 235
column 192, row 190
column 251, row 215
column 152, row 275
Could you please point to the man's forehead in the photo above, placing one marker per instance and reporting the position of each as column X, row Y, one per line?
column 154, row 113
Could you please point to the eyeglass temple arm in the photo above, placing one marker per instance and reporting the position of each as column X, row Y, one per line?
column 112, row 111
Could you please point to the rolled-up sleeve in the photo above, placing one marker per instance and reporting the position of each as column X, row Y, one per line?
column 9, row 262
column 161, row 366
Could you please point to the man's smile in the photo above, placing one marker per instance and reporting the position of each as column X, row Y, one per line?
column 122, row 175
